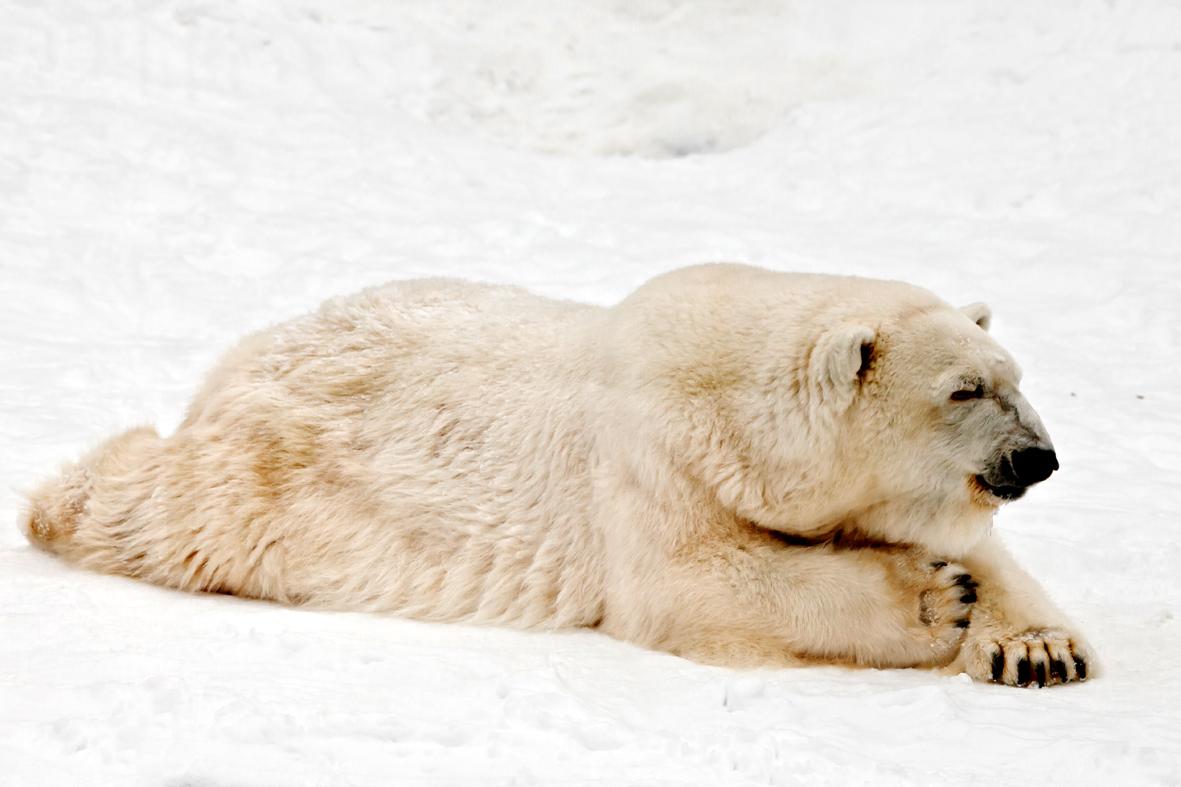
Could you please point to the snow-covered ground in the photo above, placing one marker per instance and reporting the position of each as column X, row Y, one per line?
column 174, row 173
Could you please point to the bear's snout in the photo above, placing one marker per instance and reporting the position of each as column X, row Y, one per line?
column 1017, row 471
column 1030, row 466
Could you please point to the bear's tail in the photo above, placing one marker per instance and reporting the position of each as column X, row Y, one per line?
column 83, row 514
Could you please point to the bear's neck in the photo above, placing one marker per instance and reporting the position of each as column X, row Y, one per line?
column 949, row 529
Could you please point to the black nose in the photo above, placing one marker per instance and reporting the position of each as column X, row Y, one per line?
column 1032, row 465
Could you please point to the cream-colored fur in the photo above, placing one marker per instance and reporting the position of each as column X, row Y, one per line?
column 734, row 465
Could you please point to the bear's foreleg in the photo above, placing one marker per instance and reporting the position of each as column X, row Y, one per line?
column 1017, row 636
column 765, row 603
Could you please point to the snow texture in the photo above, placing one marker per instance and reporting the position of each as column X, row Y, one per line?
column 175, row 173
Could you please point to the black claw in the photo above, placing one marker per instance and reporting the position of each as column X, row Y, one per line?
column 962, row 579
column 1023, row 672
column 969, row 597
column 1039, row 672
column 1058, row 670
column 1080, row 668
column 998, row 665
column 939, row 564
column 962, row 623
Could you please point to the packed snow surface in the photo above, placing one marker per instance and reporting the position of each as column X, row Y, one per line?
column 176, row 173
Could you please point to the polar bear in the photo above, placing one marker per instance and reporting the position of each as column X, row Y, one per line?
column 737, row 466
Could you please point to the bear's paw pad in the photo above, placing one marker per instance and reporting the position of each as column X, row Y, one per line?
column 1031, row 658
column 946, row 601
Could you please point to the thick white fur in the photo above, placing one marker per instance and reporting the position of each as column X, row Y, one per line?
column 738, row 466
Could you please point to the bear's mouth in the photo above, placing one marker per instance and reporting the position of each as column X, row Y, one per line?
column 1001, row 492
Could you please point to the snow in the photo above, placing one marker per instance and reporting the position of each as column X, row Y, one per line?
column 176, row 173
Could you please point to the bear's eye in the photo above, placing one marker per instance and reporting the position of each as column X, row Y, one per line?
column 964, row 394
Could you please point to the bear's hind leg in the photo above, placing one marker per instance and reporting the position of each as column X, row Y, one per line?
column 81, row 514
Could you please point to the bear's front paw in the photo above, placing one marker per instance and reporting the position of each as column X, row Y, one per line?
column 1043, row 657
column 945, row 603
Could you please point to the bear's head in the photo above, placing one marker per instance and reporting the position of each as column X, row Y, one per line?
column 933, row 405
column 817, row 405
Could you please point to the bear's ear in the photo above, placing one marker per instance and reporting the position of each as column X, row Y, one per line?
column 840, row 360
column 979, row 313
